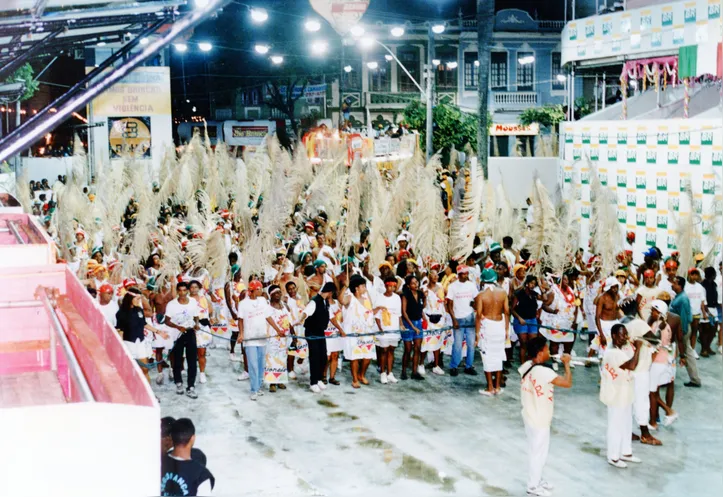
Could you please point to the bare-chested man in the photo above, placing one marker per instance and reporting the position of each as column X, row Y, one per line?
column 493, row 322
column 607, row 312
column 159, row 299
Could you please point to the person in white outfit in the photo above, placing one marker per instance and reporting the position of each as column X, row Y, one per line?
column 537, row 387
column 617, row 393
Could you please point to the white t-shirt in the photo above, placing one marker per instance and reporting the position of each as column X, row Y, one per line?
column 254, row 313
column 696, row 295
column 616, row 385
column 647, row 295
column 719, row 284
column 392, row 312
column 666, row 286
column 326, row 253
column 537, row 395
column 462, row 295
column 530, row 217
column 636, row 329
column 109, row 311
column 509, row 257
column 182, row 314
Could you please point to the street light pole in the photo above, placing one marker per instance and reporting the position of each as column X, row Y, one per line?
column 430, row 89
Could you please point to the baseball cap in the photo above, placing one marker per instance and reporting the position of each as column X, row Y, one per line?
column 106, row 288
column 129, row 282
column 489, row 276
column 610, row 282
column 494, row 247
column 660, row 306
column 648, row 273
column 255, row 285
column 462, row 269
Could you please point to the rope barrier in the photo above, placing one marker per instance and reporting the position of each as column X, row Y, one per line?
column 352, row 335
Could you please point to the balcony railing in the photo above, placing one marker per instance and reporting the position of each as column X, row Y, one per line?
column 514, row 100
column 541, row 25
column 393, row 100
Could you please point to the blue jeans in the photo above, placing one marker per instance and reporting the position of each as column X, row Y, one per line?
column 464, row 332
column 409, row 335
column 256, row 358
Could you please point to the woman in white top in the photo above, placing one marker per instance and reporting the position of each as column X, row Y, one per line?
column 696, row 295
column 358, row 316
column 434, row 312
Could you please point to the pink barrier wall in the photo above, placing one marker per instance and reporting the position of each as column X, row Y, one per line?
column 125, row 366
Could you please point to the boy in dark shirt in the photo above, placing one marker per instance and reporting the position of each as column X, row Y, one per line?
column 181, row 473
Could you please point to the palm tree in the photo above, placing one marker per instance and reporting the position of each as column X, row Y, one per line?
column 485, row 27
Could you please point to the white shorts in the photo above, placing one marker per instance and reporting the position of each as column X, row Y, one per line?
column 661, row 374
column 388, row 340
column 140, row 349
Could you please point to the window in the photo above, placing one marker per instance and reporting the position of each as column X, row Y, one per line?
column 525, row 72
column 352, row 80
column 409, row 56
column 525, row 146
column 556, row 70
column 499, row 146
column 380, row 79
column 446, row 77
column 498, row 70
column 471, row 71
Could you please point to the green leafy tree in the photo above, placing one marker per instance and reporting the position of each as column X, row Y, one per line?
column 548, row 116
column 25, row 74
column 452, row 127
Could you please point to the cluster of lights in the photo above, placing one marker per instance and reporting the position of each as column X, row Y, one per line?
column 197, row 119
column 529, row 59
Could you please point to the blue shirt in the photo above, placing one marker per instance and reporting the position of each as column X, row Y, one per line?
column 681, row 306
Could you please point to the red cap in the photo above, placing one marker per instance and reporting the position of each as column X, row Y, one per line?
column 255, row 285
column 462, row 269
column 106, row 288
column 129, row 282
column 309, row 225
column 403, row 253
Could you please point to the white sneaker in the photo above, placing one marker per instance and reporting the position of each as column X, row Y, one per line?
column 292, row 375
column 617, row 464
column 202, row 378
column 179, row 389
column 555, row 367
column 315, row 388
column 538, row 491
column 669, row 420
column 695, row 354
column 260, row 393
column 235, row 357
column 254, row 396
column 160, row 378
column 438, row 370
column 720, row 349
column 391, row 378
column 321, row 385
column 421, row 370
column 383, row 379
column 630, row 458
column 547, row 486
column 243, row 376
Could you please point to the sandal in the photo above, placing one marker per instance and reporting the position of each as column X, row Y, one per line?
column 635, row 437
column 272, row 389
column 281, row 386
column 355, row 385
column 364, row 381
column 334, row 381
column 650, row 441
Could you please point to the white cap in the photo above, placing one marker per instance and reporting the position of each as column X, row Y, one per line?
column 660, row 306
column 610, row 282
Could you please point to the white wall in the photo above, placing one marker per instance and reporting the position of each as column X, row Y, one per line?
column 48, row 168
column 517, row 175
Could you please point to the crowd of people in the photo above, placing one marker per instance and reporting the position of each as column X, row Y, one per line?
column 321, row 301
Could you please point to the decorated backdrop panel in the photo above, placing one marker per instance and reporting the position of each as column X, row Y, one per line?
column 647, row 163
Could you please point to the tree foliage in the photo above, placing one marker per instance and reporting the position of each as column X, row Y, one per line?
column 452, row 127
column 285, row 101
column 548, row 116
column 25, row 74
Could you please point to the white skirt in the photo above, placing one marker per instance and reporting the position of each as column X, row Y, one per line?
column 492, row 343
column 661, row 374
column 140, row 349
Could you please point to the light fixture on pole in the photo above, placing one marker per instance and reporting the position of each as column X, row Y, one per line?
column 438, row 29
column 259, row 16
column 180, row 47
column 529, row 59
column 388, row 58
column 319, row 47
column 451, row 65
column 347, row 68
column 372, row 65
column 100, row 44
column 277, row 59
column 366, row 43
column 205, row 46
column 476, row 63
column 561, row 78
column 397, row 31
column 144, row 41
column 201, row 3
column 357, row 31
column 436, row 62
column 261, row 48
column 312, row 25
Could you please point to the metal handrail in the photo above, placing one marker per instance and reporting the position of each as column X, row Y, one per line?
column 76, row 372
column 14, row 229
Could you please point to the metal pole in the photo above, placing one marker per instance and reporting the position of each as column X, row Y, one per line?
column 27, row 55
column 341, row 84
column 15, row 232
column 424, row 93
column 21, row 140
column 88, row 79
column 604, row 90
column 74, row 368
column 597, row 88
column 430, row 90
column 19, row 304
column 572, row 94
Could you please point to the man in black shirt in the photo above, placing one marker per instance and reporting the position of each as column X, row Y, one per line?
column 180, row 474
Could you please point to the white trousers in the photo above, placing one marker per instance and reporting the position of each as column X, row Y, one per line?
column 620, row 432
column 538, row 445
column 641, row 405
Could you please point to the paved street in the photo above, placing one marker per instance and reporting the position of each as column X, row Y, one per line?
column 438, row 437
